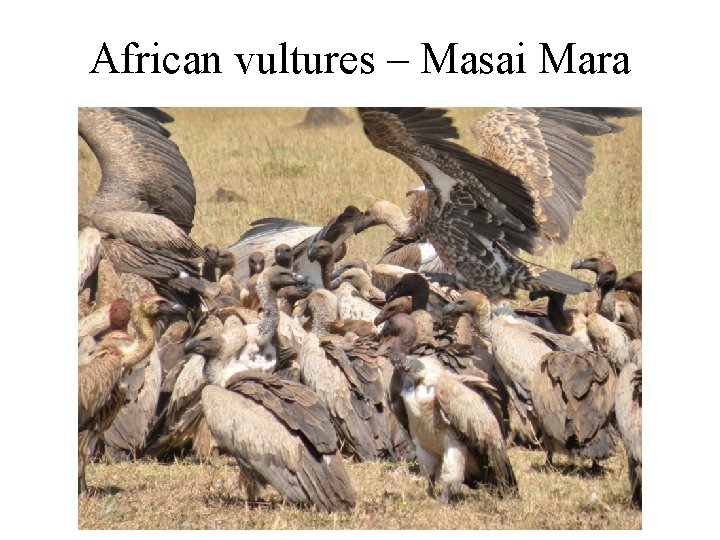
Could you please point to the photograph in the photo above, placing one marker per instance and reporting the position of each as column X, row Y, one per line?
column 350, row 317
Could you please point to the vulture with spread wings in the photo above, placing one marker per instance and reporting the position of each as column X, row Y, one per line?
column 521, row 191
column 145, row 204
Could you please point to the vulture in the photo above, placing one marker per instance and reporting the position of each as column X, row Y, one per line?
column 265, row 346
column 628, row 414
column 632, row 283
column 362, row 283
column 518, row 346
column 278, row 430
column 248, row 294
column 573, row 394
column 409, row 248
column 521, row 191
column 180, row 422
column 101, row 384
column 348, row 380
column 267, row 233
column 221, row 263
column 145, row 205
column 571, row 322
column 616, row 306
column 455, row 421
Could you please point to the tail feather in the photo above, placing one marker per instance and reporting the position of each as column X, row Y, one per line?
column 552, row 280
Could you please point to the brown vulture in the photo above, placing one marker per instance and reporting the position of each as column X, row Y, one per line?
column 521, row 191
column 145, row 204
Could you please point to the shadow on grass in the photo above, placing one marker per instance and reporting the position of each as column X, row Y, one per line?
column 225, row 499
column 571, row 469
column 100, row 492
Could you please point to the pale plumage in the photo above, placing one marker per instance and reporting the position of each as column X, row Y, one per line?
column 628, row 412
column 267, row 233
column 101, row 391
column 456, row 422
column 89, row 239
column 518, row 346
column 347, row 381
column 278, row 431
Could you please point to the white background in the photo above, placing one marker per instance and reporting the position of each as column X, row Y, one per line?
column 48, row 50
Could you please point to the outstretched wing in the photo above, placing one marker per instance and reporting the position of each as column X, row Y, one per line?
column 142, row 169
column 549, row 151
column 484, row 200
column 479, row 212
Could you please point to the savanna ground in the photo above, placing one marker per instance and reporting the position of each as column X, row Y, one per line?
column 311, row 174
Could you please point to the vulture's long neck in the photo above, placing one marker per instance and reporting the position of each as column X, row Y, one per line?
column 481, row 320
column 326, row 269
column 401, row 225
column 399, row 358
column 322, row 316
column 213, row 369
column 270, row 312
column 144, row 340
column 556, row 312
column 424, row 325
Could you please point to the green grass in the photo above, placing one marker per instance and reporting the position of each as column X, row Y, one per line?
column 311, row 175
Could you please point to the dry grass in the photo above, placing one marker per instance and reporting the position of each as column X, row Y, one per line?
column 192, row 495
column 312, row 174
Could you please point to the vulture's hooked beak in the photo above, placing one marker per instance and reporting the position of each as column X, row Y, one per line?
column 583, row 264
column 300, row 279
column 449, row 310
column 190, row 345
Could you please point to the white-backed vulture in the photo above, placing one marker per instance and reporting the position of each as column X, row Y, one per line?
column 632, row 283
column 127, row 436
column 351, row 304
column 425, row 294
column 409, row 248
column 142, row 169
column 571, row 322
column 265, row 346
column 145, row 204
column 609, row 339
column 101, row 390
column 183, row 422
column 347, row 380
column 455, row 421
column 283, row 255
column 278, row 431
column 573, row 395
column 208, row 268
column 617, row 306
column 628, row 413
column 518, row 346
column 248, row 295
column 289, row 296
column 267, row 233
column 521, row 192
column 361, row 281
